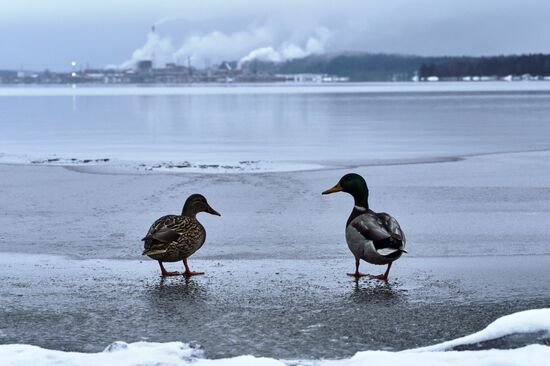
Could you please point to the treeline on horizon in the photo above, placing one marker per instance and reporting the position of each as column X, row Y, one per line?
column 355, row 66
column 386, row 67
column 500, row 66
column 391, row 67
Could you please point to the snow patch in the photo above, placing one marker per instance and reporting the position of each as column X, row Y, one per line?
column 111, row 165
column 118, row 353
column 529, row 321
column 180, row 354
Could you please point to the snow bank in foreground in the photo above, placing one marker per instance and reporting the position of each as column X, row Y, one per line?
column 534, row 355
column 528, row 321
column 176, row 353
column 168, row 354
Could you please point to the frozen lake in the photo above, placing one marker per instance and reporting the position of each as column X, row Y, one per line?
column 271, row 127
column 465, row 168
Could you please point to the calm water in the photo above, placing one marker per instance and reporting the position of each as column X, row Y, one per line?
column 270, row 123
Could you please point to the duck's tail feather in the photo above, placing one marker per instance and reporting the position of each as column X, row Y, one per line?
column 387, row 251
column 390, row 246
column 154, row 251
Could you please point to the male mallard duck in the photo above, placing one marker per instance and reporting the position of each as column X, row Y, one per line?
column 374, row 237
column 174, row 238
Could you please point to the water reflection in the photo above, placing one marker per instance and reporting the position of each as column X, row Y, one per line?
column 174, row 291
column 276, row 126
column 377, row 291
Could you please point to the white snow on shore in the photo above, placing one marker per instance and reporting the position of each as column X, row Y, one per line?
column 108, row 165
column 177, row 353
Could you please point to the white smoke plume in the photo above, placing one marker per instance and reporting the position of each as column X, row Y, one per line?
column 262, row 54
column 288, row 51
column 255, row 42
column 156, row 48
column 219, row 46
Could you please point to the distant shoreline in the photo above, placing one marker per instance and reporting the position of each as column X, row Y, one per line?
column 273, row 88
column 114, row 166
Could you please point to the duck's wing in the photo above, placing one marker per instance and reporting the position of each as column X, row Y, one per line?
column 384, row 232
column 166, row 230
column 392, row 226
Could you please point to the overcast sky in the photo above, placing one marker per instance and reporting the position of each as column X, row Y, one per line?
column 39, row 34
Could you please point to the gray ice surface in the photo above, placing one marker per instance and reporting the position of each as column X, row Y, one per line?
column 275, row 261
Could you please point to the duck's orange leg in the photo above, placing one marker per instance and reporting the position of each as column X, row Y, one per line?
column 165, row 273
column 188, row 272
column 384, row 277
column 357, row 274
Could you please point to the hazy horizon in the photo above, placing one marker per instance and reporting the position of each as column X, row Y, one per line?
column 37, row 36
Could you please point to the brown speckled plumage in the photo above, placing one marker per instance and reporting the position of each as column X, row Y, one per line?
column 173, row 238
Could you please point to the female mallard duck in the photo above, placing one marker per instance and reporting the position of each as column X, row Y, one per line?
column 374, row 237
column 174, row 238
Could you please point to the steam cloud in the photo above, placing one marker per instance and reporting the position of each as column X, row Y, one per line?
column 255, row 43
column 155, row 48
column 289, row 51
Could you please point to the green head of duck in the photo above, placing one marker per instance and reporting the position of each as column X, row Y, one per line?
column 355, row 185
